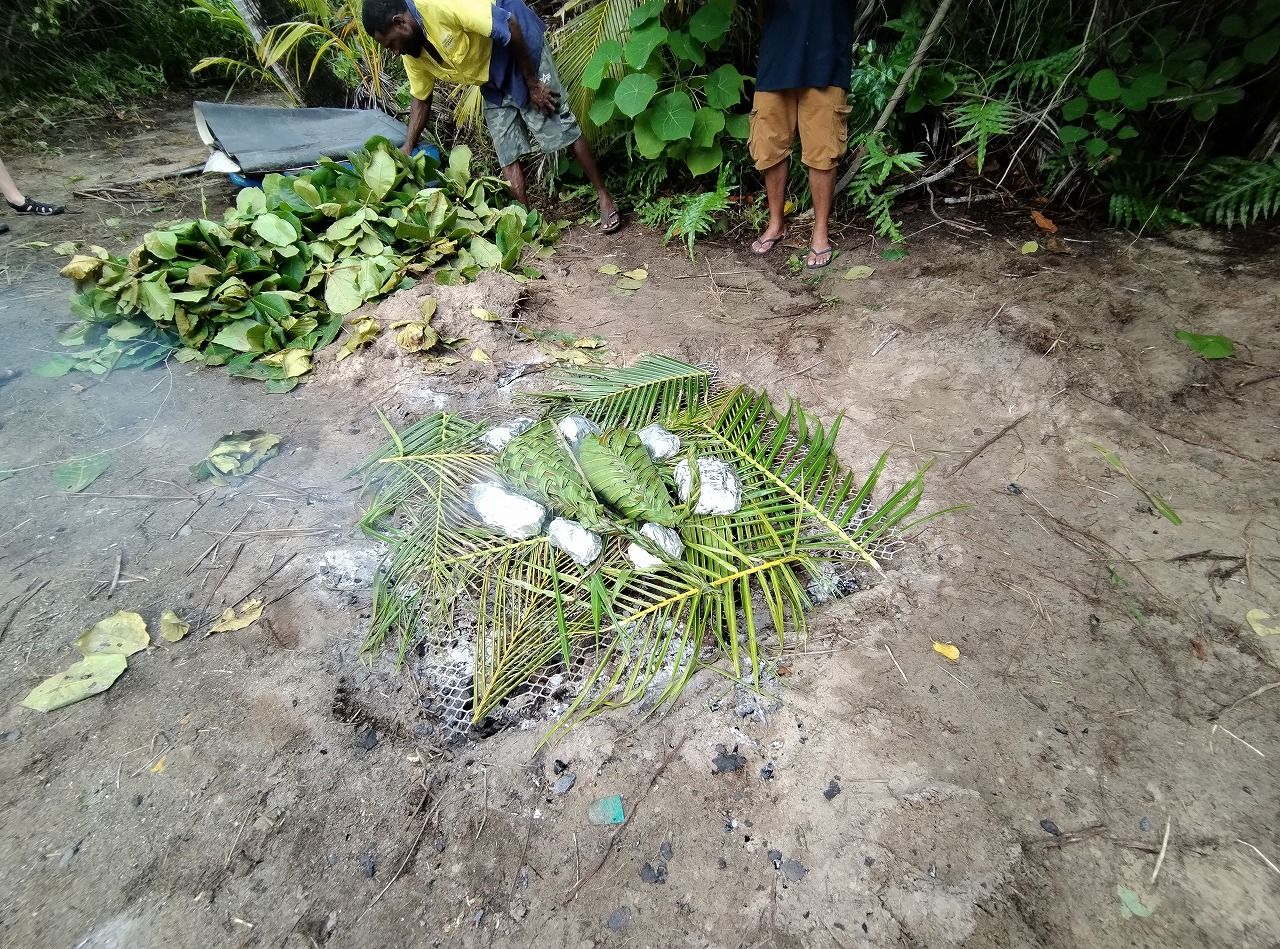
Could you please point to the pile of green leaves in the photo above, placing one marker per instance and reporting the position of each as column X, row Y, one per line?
column 739, row 591
column 266, row 287
column 661, row 89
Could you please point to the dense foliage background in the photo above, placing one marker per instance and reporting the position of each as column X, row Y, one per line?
column 1161, row 113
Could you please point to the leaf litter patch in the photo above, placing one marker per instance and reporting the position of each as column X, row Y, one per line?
column 510, row 618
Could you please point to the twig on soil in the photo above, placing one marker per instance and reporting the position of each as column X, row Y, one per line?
column 1233, row 735
column 413, row 848
column 22, row 600
column 1259, row 853
column 1164, row 848
column 484, row 808
column 100, row 190
column 187, row 520
column 895, row 663
column 1062, row 840
column 883, row 343
column 305, row 580
column 617, row 835
column 263, row 582
column 115, row 576
column 1240, row 701
column 987, row 444
column 210, row 549
column 204, row 610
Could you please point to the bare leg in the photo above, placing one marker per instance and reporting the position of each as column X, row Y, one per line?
column 775, row 186
column 582, row 152
column 8, row 188
column 822, row 187
column 515, row 177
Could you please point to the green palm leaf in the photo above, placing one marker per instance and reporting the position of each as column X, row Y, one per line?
column 540, row 465
column 620, row 471
column 592, row 22
column 649, row 390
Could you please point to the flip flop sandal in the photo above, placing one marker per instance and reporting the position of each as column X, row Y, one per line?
column 611, row 223
column 36, row 207
column 771, row 243
column 830, row 253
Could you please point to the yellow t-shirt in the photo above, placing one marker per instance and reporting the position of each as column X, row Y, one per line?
column 461, row 31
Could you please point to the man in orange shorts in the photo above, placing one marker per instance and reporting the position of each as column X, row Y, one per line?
column 802, row 84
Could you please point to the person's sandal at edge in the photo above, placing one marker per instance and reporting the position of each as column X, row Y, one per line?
column 19, row 202
column 802, row 86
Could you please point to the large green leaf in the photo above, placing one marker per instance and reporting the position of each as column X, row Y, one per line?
column 607, row 55
column 671, row 116
column 707, row 124
column 710, row 22
column 76, row 475
column 380, row 175
column 274, row 229
column 723, row 87
column 161, row 244
column 702, row 160
column 648, row 143
column 642, row 44
column 90, row 676
column 634, row 93
column 621, row 472
column 341, row 290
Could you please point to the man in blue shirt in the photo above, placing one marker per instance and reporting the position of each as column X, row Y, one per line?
column 802, row 84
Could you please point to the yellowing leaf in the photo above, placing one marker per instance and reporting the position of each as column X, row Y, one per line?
column 236, row 454
column 861, row 272
column 121, row 634
column 294, row 362
column 947, row 650
column 480, row 313
column 230, row 620
column 480, row 356
column 1263, row 623
column 428, row 306
column 172, row 628
column 81, row 267
column 627, row 283
column 588, row 342
column 362, row 332
column 638, row 274
column 608, row 269
column 159, row 766
column 89, row 676
column 788, row 206
column 416, row 338
column 1030, row 247
column 440, row 365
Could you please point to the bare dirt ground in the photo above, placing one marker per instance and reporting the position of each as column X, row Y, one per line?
column 266, row 788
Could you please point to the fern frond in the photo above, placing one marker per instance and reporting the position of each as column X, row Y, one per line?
column 1236, row 190
column 1034, row 77
column 982, row 120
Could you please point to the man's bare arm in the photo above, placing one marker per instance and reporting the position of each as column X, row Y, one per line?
column 419, row 112
column 543, row 99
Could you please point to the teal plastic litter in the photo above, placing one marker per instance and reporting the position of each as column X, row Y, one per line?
column 606, row 810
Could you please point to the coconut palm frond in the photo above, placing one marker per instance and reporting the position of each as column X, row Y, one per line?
column 625, row 628
column 653, row 388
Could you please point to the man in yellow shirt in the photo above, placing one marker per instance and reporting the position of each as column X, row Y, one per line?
column 498, row 45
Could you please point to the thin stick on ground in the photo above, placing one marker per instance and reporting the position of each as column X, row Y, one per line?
column 1240, row 701
column 895, row 663
column 1164, row 848
column 115, row 575
column 1259, row 853
column 987, row 444
column 617, row 834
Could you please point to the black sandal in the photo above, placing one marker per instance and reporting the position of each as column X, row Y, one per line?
column 36, row 207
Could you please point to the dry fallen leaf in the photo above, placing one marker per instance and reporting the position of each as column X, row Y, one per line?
column 121, row 634
column 638, row 274
column 1043, row 222
column 1263, row 623
column 172, row 628
column 1030, row 247
column 861, row 272
column 610, row 269
column 947, row 650
column 479, row 355
column 480, row 313
column 89, row 676
column 230, row 620
column 159, row 766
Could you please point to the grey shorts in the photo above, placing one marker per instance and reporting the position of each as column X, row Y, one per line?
column 515, row 129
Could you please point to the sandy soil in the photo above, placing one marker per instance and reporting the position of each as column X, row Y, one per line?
column 266, row 788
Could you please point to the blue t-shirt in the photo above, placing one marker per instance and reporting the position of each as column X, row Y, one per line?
column 805, row 44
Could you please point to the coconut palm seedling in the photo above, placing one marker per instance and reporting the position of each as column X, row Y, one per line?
column 726, row 588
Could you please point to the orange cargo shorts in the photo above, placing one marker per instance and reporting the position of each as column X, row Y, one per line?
column 820, row 115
